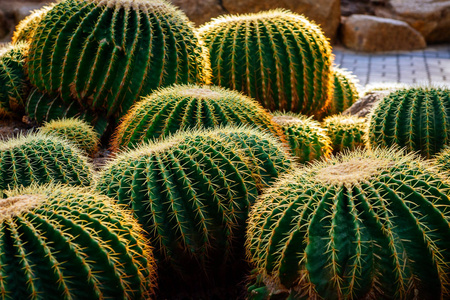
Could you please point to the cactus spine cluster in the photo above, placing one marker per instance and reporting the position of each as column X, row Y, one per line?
column 362, row 225
column 38, row 158
column 27, row 27
column 307, row 140
column 345, row 91
column 185, row 107
column 76, row 131
column 60, row 242
column 106, row 54
column 277, row 57
column 415, row 118
column 346, row 132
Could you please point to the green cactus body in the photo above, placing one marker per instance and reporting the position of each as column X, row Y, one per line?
column 307, row 140
column 365, row 225
column 185, row 107
column 345, row 91
column 60, row 242
column 27, row 27
column 346, row 132
column 106, row 54
column 38, row 158
column 415, row 118
column 76, row 131
column 277, row 57
column 13, row 82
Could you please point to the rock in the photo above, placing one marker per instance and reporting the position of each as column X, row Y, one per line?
column 200, row 11
column 374, row 34
column 430, row 17
column 325, row 13
column 364, row 106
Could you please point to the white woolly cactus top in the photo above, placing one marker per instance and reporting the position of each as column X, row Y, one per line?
column 16, row 205
column 290, row 118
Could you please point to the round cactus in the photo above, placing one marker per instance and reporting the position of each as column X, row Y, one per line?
column 307, row 140
column 346, row 132
column 60, row 242
column 361, row 225
column 345, row 91
column 27, row 27
column 13, row 82
column 185, row 107
column 107, row 54
column 277, row 57
column 76, row 131
column 38, row 158
column 415, row 118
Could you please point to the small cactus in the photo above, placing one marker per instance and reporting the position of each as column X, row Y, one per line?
column 346, row 132
column 106, row 54
column 27, row 27
column 60, row 242
column 364, row 225
column 416, row 118
column 307, row 140
column 345, row 91
column 277, row 57
column 76, row 131
column 185, row 107
column 38, row 158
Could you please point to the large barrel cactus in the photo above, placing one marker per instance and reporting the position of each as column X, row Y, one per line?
column 107, row 54
column 345, row 91
column 187, row 106
column 346, row 132
column 415, row 118
column 365, row 225
column 59, row 242
column 277, row 57
column 38, row 158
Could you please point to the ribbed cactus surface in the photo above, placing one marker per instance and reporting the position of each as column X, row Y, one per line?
column 38, row 158
column 415, row 118
column 365, row 225
column 345, row 91
column 107, row 54
column 74, row 130
column 277, row 57
column 185, row 107
column 27, row 27
column 60, row 242
column 346, row 132
column 307, row 139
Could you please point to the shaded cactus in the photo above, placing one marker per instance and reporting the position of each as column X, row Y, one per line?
column 346, row 132
column 307, row 140
column 27, row 27
column 38, row 158
column 345, row 91
column 13, row 82
column 60, row 242
column 415, row 118
column 277, row 57
column 76, row 131
column 185, row 107
column 107, row 54
column 365, row 225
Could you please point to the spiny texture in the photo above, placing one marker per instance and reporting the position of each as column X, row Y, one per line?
column 346, row 132
column 38, row 158
column 13, row 82
column 185, row 107
column 345, row 91
column 27, row 27
column 277, row 57
column 107, row 54
column 442, row 160
column 59, row 242
column 365, row 225
column 307, row 140
column 416, row 118
column 76, row 131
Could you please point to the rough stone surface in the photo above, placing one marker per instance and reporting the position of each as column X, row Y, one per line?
column 200, row 11
column 430, row 17
column 374, row 34
column 366, row 104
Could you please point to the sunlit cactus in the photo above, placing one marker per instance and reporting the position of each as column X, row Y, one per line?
column 106, row 54
column 60, row 242
column 277, row 57
column 307, row 140
column 345, row 91
column 346, row 132
column 364, row 225
column 188, row 106
column 27, row 27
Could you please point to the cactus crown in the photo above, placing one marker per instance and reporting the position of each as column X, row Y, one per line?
column 17, row 205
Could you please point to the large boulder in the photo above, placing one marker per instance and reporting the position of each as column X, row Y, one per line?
column 430, row 17
column 374, row 34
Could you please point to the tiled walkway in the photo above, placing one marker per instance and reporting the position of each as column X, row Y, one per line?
column 431, row 65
